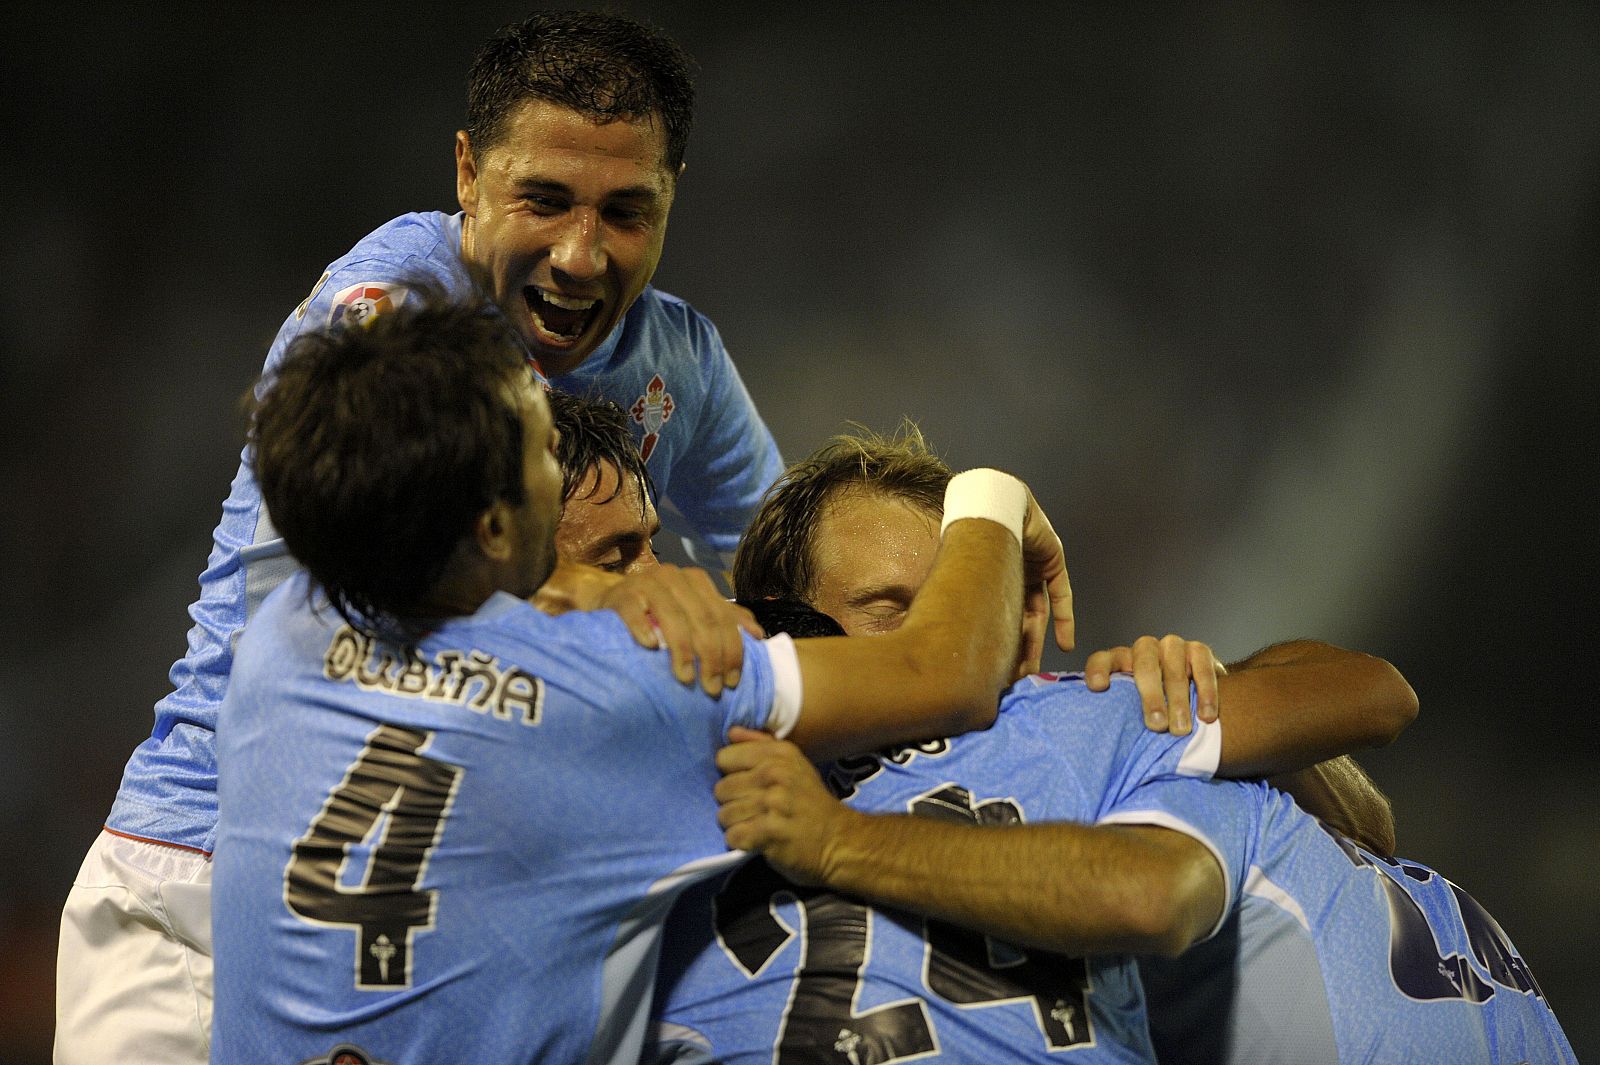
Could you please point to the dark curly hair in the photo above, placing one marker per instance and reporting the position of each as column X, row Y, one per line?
column 594, row 430
column 378, row 445
column 605, row 67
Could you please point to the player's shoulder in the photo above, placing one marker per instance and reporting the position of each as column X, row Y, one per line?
column 1067, row 691
column 519, row 622
column 658, row 315
column 379, row 272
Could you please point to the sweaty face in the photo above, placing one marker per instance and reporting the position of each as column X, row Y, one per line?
column 870, row 554
column 535, row 519
column 567, row 219
column 608, row 522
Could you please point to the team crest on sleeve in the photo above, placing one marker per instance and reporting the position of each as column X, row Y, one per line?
column 362, row 302
column 652, row 411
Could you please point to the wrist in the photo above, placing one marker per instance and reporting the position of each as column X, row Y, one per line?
column 989, row 494
column 846, row 850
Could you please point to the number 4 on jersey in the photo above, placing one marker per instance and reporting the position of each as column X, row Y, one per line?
column 391, row 789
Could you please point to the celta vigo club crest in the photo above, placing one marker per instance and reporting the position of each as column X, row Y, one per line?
column 652, row 411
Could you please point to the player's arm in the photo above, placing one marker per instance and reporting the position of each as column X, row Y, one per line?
column 1350, row 697
column 1293, row 705
column 942, row 671
column 665, row 606
column 1064, row 887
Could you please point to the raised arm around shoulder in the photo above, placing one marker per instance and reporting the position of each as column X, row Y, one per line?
column 1295, row 704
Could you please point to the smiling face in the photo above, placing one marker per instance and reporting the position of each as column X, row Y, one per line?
column 870, row 553
column 566, row 218
column 608, row 521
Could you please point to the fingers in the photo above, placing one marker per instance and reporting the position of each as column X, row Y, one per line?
column 1147, row 678
column 1173, row 651
column 1061, row 606
column 1035, row 618
column 680, row 608
column 772, row 800
column 1163, row 671
column 1204, row 668
column 633, row 607
column 1097, row 671
column 1044, row 561
column 748, row 622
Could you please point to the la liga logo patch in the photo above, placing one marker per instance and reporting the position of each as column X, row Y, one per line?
column 362, row 302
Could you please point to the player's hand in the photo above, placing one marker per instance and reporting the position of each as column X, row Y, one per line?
column 1049, row 592
column 1162, row 670
column 679, row 607
column 574, row 586
column 772, row 801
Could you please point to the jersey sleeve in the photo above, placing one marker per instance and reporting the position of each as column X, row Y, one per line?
column 1222, row 815
column 1103, row 743
column 767, row 698
column 732, row 459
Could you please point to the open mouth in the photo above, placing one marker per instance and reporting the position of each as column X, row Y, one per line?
column 559, row 320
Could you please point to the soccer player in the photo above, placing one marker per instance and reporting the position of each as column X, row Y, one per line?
column 849, row 529
column 575, row 137
column 1326, row 953
column 608, row 513
column 450, row 824
column 1330, row 952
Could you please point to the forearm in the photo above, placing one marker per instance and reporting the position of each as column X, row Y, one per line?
column 1340, row 793
column 1068, row 888
column 1293, row 705
column 939, row 674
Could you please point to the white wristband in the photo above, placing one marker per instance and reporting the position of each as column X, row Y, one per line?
column 988, row 494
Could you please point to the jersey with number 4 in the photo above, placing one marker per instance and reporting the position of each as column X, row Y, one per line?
column 463, row 855
column 1335, row 957
column 758, row 970
column 706, row 447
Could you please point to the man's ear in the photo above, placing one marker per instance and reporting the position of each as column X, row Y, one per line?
column 466, row 175
column 493, row 532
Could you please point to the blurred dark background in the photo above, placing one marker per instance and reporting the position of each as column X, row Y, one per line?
column 1287, row 315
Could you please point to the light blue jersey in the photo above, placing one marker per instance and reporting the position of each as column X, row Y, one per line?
column 758, row 970
column 466, row 856
column 1337, row 956
column 706, row 447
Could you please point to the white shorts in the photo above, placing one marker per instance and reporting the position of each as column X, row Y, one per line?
column 133, row 971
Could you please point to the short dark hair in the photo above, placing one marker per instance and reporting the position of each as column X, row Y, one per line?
column 605, row 67
column 377, row 447
column 595, row 430
column 792, row 617
column 774, row 560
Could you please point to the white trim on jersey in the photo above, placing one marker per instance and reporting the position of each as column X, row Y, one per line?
column 1257, row 884
column 786, row 686
column 1204, row 752
column 1162, row 819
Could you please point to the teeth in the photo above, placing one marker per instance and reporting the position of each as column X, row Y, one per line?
column 565, row 303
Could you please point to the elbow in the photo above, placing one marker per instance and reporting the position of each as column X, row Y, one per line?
column 1173, row 911
column 968, row 707
column 1397, row 708
column 1162, row 926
